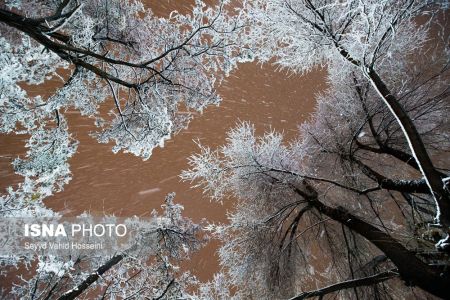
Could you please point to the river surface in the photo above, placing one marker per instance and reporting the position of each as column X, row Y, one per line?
column 125, row 185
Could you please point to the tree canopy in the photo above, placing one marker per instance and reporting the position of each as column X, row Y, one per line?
column 358, row 204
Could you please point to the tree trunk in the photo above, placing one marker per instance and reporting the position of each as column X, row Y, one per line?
column 418, row 150
column 431, row 175
column 412, row 270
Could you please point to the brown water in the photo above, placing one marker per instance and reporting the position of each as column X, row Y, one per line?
column 125, row 185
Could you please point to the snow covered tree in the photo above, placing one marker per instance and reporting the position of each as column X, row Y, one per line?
column 361, row 36
column 152, row 72
column 350, row 204
column 145, row 268
column 347, row 187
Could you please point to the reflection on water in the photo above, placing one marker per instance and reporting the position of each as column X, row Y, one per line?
column 125, row 185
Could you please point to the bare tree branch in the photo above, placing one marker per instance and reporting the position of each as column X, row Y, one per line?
column 78, row 290
column 365, row 281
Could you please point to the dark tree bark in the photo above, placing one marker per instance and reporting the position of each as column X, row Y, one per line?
column 431, row 175
column 83, row 286
column 411, row 269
